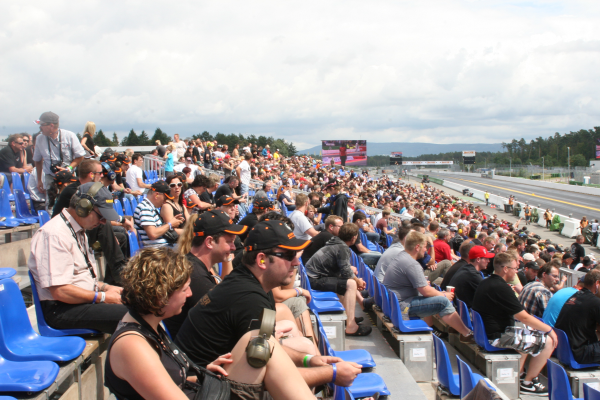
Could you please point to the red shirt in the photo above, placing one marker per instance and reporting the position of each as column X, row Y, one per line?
column 442, row 250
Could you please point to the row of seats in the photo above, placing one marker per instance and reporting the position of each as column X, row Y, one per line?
column 128, row 206
column 559, row 387
column 17, row 183
column 151, row 176
column 22, row 215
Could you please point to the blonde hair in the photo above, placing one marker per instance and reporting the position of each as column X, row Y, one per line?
column 184, row 243
column 90, row 128
column 413, row 239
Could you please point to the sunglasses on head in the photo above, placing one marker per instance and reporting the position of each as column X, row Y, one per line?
column 172, row 185
column 287, row 255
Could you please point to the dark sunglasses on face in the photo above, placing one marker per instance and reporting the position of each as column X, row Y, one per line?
column 172, row 185
column 288, row 255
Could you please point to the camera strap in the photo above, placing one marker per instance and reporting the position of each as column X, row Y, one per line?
column 85, row 255
column 59, row 147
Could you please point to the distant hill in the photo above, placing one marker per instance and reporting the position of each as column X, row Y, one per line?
column 417, row 149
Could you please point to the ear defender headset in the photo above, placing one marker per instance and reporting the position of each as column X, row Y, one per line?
column 258, row 351
column 85, row 205
column 110, row 174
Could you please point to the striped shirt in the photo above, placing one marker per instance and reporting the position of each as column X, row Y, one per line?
column 147, row 215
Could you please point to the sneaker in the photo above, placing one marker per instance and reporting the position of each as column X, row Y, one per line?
column 536, row 389
column 438, row 333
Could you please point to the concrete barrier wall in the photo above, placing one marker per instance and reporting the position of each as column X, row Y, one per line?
column 551, row 185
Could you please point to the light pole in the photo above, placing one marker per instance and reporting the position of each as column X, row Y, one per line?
column 568, row 164
column 542, row 168
column 510, row 168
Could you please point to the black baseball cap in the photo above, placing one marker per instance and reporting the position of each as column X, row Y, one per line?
column 532, row 265
column 261, row 203
column 273, row 233
column 216, row 221
column 226, row 201
column 123, row 158
column 331, row 184
column 103, row 199
column 161, row 187
column 64, row 177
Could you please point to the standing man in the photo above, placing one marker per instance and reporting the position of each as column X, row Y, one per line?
column 339, row 201
column 527, row 211
column 179, row 146
column 243, row 172
column 487, row 198
column 343, row 154
column 577, row 251
column 56, row 150
column 13, row 157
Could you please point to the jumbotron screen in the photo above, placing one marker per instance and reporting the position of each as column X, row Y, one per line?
column 344, row 152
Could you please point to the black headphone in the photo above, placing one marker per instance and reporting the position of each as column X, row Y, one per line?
column 86, row 203
column 110, row 174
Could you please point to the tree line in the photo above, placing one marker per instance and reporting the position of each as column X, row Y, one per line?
column 555, row 150
column 286, row 149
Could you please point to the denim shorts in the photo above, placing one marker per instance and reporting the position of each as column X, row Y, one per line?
column 427, row 306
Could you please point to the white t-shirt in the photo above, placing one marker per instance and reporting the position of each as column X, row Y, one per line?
column 180, row 147
column 245, row 172
column 133, row 173
column 301, row 225
column 246, row 150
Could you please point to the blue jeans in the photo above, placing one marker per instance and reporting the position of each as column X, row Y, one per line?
column 373, row 237
column 370, row 258
column 427, row 306
column 244, row 188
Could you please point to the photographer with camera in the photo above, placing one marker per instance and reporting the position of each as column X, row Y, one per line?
column 57, row 150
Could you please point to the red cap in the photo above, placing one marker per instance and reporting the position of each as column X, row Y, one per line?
column 480, row 252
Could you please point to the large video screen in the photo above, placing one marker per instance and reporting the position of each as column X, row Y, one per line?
column 597, row 148
column 344, row 152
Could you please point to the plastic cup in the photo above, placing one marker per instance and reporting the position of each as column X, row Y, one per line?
column 450, row 289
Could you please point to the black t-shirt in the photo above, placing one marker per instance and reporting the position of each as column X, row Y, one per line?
column 316, row 243
column 451, row 271
column 223, row 190
column 201, row 282
column 249, row 220
column 196, row 154
column 207, row 157
column 64, row 198
column 578, row 253
column 161, row 150
column 465, row 282
column 523, row 279
column 578, row 319
column 497, row 304
column 223, row 316
column 8, row 158
column 29, row 152
column 207, row 197
column 89, row 143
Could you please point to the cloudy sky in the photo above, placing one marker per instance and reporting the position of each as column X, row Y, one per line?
column 415, row 71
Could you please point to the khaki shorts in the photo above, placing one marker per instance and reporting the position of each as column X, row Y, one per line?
column 297, row 305
column 248, row 391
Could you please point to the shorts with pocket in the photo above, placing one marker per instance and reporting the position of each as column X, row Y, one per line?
column 329, row 284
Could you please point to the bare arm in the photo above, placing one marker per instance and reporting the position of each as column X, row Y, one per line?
column 76, row 162
column 141, row 184
column 312, row 232
column 196, row 201
column 428, row 291
column 72, row 294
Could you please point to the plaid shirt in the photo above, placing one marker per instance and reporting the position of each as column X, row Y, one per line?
column 535, row 297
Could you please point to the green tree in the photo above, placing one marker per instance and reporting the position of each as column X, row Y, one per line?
column 292, row 150
column 160, row 135
column 101, row 140
column 144, row 140
column 578, row 160
column 115, row 140
column 131, row 139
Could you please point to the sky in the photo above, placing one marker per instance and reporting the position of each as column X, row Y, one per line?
column 385, row 71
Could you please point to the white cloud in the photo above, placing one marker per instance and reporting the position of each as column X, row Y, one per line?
column 436, row 71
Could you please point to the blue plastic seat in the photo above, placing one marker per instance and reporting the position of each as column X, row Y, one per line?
column 43, row 327
column 388, row 240
column 463, row 311
column 414, row 325
column 468, row 380
column 446, row 377
column 359, row 356
column 18, row 184
column 7, row 272
column 558, row 382
column 367, row 384
column 18, row 340
column 316, row 294
column 118, row 207
column 322, row 306
column 134, row 245
column 29, row 376
column 6, row 212
column 22, row 209
column 480, row 335
column 565, row 354
column 589, row 393
column 6, row 187
column 128, row 208
column 339, row 393
column 134, row 203
column 385, row 300
column 377, row 294
column 44, row 217
column 26, row 176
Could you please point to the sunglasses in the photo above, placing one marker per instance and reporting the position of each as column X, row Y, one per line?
column 288, row 255
column 172, row 185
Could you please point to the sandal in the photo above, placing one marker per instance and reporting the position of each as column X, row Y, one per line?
column 361, row 331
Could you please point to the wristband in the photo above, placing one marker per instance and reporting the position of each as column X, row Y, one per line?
column 102, row 297
column 95, row 297
column 70, row 168
column 170, row 227
column 334, row 373
column 298, row 292
column 306, row 360
column 547, row 333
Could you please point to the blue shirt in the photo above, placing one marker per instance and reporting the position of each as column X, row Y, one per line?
column 169, row 163
column 556, row 304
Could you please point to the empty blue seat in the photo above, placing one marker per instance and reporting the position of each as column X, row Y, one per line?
column 558, row 382
column 6, row 187
column 463, row 311
column 128, row 209
column 409, row 326
column 565, row 354
column 28, row 376
column 468, row 379
column 44, row 217
column 6, row 212
column 480, row 335
column 7, row 272
column 18, row 184
column 18, row 340
column 134, row 245
column 359, row 356
column 449, row 380
column 26, row 176
column 367, row 384
column 134, row 203
column 118, row 207
column 43, row 327
column 589, row 393
column 22, row 209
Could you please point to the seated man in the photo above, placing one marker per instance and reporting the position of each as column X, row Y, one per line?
column 64, row 267
column 260, row 206
column 303, row 229
column 530, row 269
column 405, row 278
column 558, row 300
column 329, row 270
column 579, row 319
column 467, row 279
column 333, row 223
column 382, row 224
column 146, row 218
column 370, row 257
column 228, row 312
column 535, row 295
column 442, row 248
column 13, row 157
column 391, row 253
column 464, row 250
column 498, row 306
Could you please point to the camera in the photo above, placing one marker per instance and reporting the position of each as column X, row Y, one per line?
column 54, row 167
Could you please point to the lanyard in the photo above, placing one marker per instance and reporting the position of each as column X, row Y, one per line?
column 87, row 260
column 59, row 147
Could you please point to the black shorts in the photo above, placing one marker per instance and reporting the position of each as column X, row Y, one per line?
column 329, row 284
